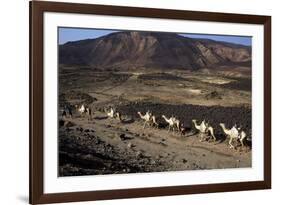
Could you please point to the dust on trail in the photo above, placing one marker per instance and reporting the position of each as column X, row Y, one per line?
column 107, row 146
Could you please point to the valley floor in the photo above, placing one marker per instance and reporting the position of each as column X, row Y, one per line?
column 107, row 146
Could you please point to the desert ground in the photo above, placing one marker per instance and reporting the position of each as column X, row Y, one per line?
column 104, row 145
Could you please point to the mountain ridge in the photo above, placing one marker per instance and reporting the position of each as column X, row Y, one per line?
column 131, row 50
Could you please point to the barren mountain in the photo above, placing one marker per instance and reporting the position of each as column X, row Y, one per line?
column 132, row 50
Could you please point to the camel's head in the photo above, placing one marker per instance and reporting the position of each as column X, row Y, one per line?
column 194, row 121
column 163, row 116
column 139, row 113
column 222, row 124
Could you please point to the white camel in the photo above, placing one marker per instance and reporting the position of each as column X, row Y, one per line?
column 82, row 109
column 172, row 122
column 232, row 133
column 153, row 118
column 202, row 128
column 146, row 118
column 118, row 116
column 110, row 113
column 210, row 130
column 177, row 123
column 242, row 136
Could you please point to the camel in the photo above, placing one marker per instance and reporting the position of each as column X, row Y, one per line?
column 63, row 115
column 177, row 123
column 153, row 118
column 173, row 122
column 118, row 116
column 232, row 133
column 67, row 111
column 89, row 113
column 110, row 113
column 202, row 128
column 210, row 130
column 242, row 136
column 146, row 118
column 149, row 119
column 82, row 109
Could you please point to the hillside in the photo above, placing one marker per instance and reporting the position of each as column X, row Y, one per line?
column 132, row 50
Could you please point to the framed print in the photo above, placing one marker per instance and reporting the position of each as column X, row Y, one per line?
column 136, row 102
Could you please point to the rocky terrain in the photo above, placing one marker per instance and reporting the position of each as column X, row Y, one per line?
column 166, row 74
column 107, row 146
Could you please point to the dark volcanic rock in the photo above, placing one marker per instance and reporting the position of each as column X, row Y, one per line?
column 90, row 156
column 68, row 124
column 213, row 95
column 61, row 123
column 186, row 113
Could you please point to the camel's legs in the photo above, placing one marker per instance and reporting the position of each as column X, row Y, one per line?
column 144, row 125
column 214, row 138
column 174, row 128
column 241, row 141
column 230, row 143
column 200, row 137
column 156, row 124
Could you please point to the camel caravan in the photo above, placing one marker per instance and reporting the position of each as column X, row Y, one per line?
column 204, row 128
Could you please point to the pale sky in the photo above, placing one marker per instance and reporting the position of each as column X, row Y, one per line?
column 74, row 34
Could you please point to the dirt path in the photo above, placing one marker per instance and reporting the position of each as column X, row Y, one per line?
column 162, row 150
